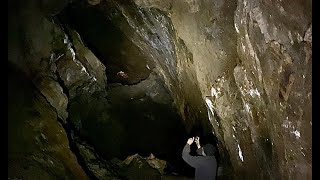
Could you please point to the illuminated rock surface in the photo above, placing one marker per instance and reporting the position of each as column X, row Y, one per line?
column 127, row 77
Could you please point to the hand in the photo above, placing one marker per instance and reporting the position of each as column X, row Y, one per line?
column 197, row 141
column 190, row 140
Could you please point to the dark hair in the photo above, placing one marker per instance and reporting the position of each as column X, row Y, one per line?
column 209, row 149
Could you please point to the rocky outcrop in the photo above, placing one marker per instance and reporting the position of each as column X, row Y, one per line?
column 80, row 70
column 123, row 59
column 54, row 94
column 152, row 161
column 100, row 168
column 38, row 147
column 38, row 142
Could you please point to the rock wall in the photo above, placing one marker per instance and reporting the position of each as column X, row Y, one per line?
column 41, row 61
column 241, row 69
column 262, row 111
column 38, row 146
column 72, row 80
column 248, row 61
column 153, row 32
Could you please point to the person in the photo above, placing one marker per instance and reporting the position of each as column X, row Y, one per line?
column 205, row 163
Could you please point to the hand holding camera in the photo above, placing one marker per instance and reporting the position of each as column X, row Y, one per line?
column 197, row 141
column 194, row 139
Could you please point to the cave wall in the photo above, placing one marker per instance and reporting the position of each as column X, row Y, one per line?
column 38, row 146
column 249, row 62
column 41, row 62
column 152, row 30
column 274, row 46
column 241, row 69
column 72, row 81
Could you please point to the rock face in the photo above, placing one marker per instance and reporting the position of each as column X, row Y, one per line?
column 54, row 94
column 38, row 147
column 125, row 62
column 152, row 31
column 38, row 143
column 261, row 109
column 274, row 80
column 100, row 168
column 240, row 69
column 249, row 62
column 73, row 81
column 130, row 118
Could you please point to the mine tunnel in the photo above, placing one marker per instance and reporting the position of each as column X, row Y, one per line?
column 113, row 89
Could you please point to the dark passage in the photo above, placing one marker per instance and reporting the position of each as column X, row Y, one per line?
column 138, row 114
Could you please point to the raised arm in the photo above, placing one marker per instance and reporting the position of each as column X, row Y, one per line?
column 191, row 160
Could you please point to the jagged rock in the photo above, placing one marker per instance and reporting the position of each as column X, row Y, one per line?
column 54, row 94
column 80, row 70
column 153, row 32
column 93, row 65
column 275, row 86
column 38, row 147
column 156, row 163
column 101, row 169
column 113, row 47
column 151, row 156
column 137, row 167
column 74, row 75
